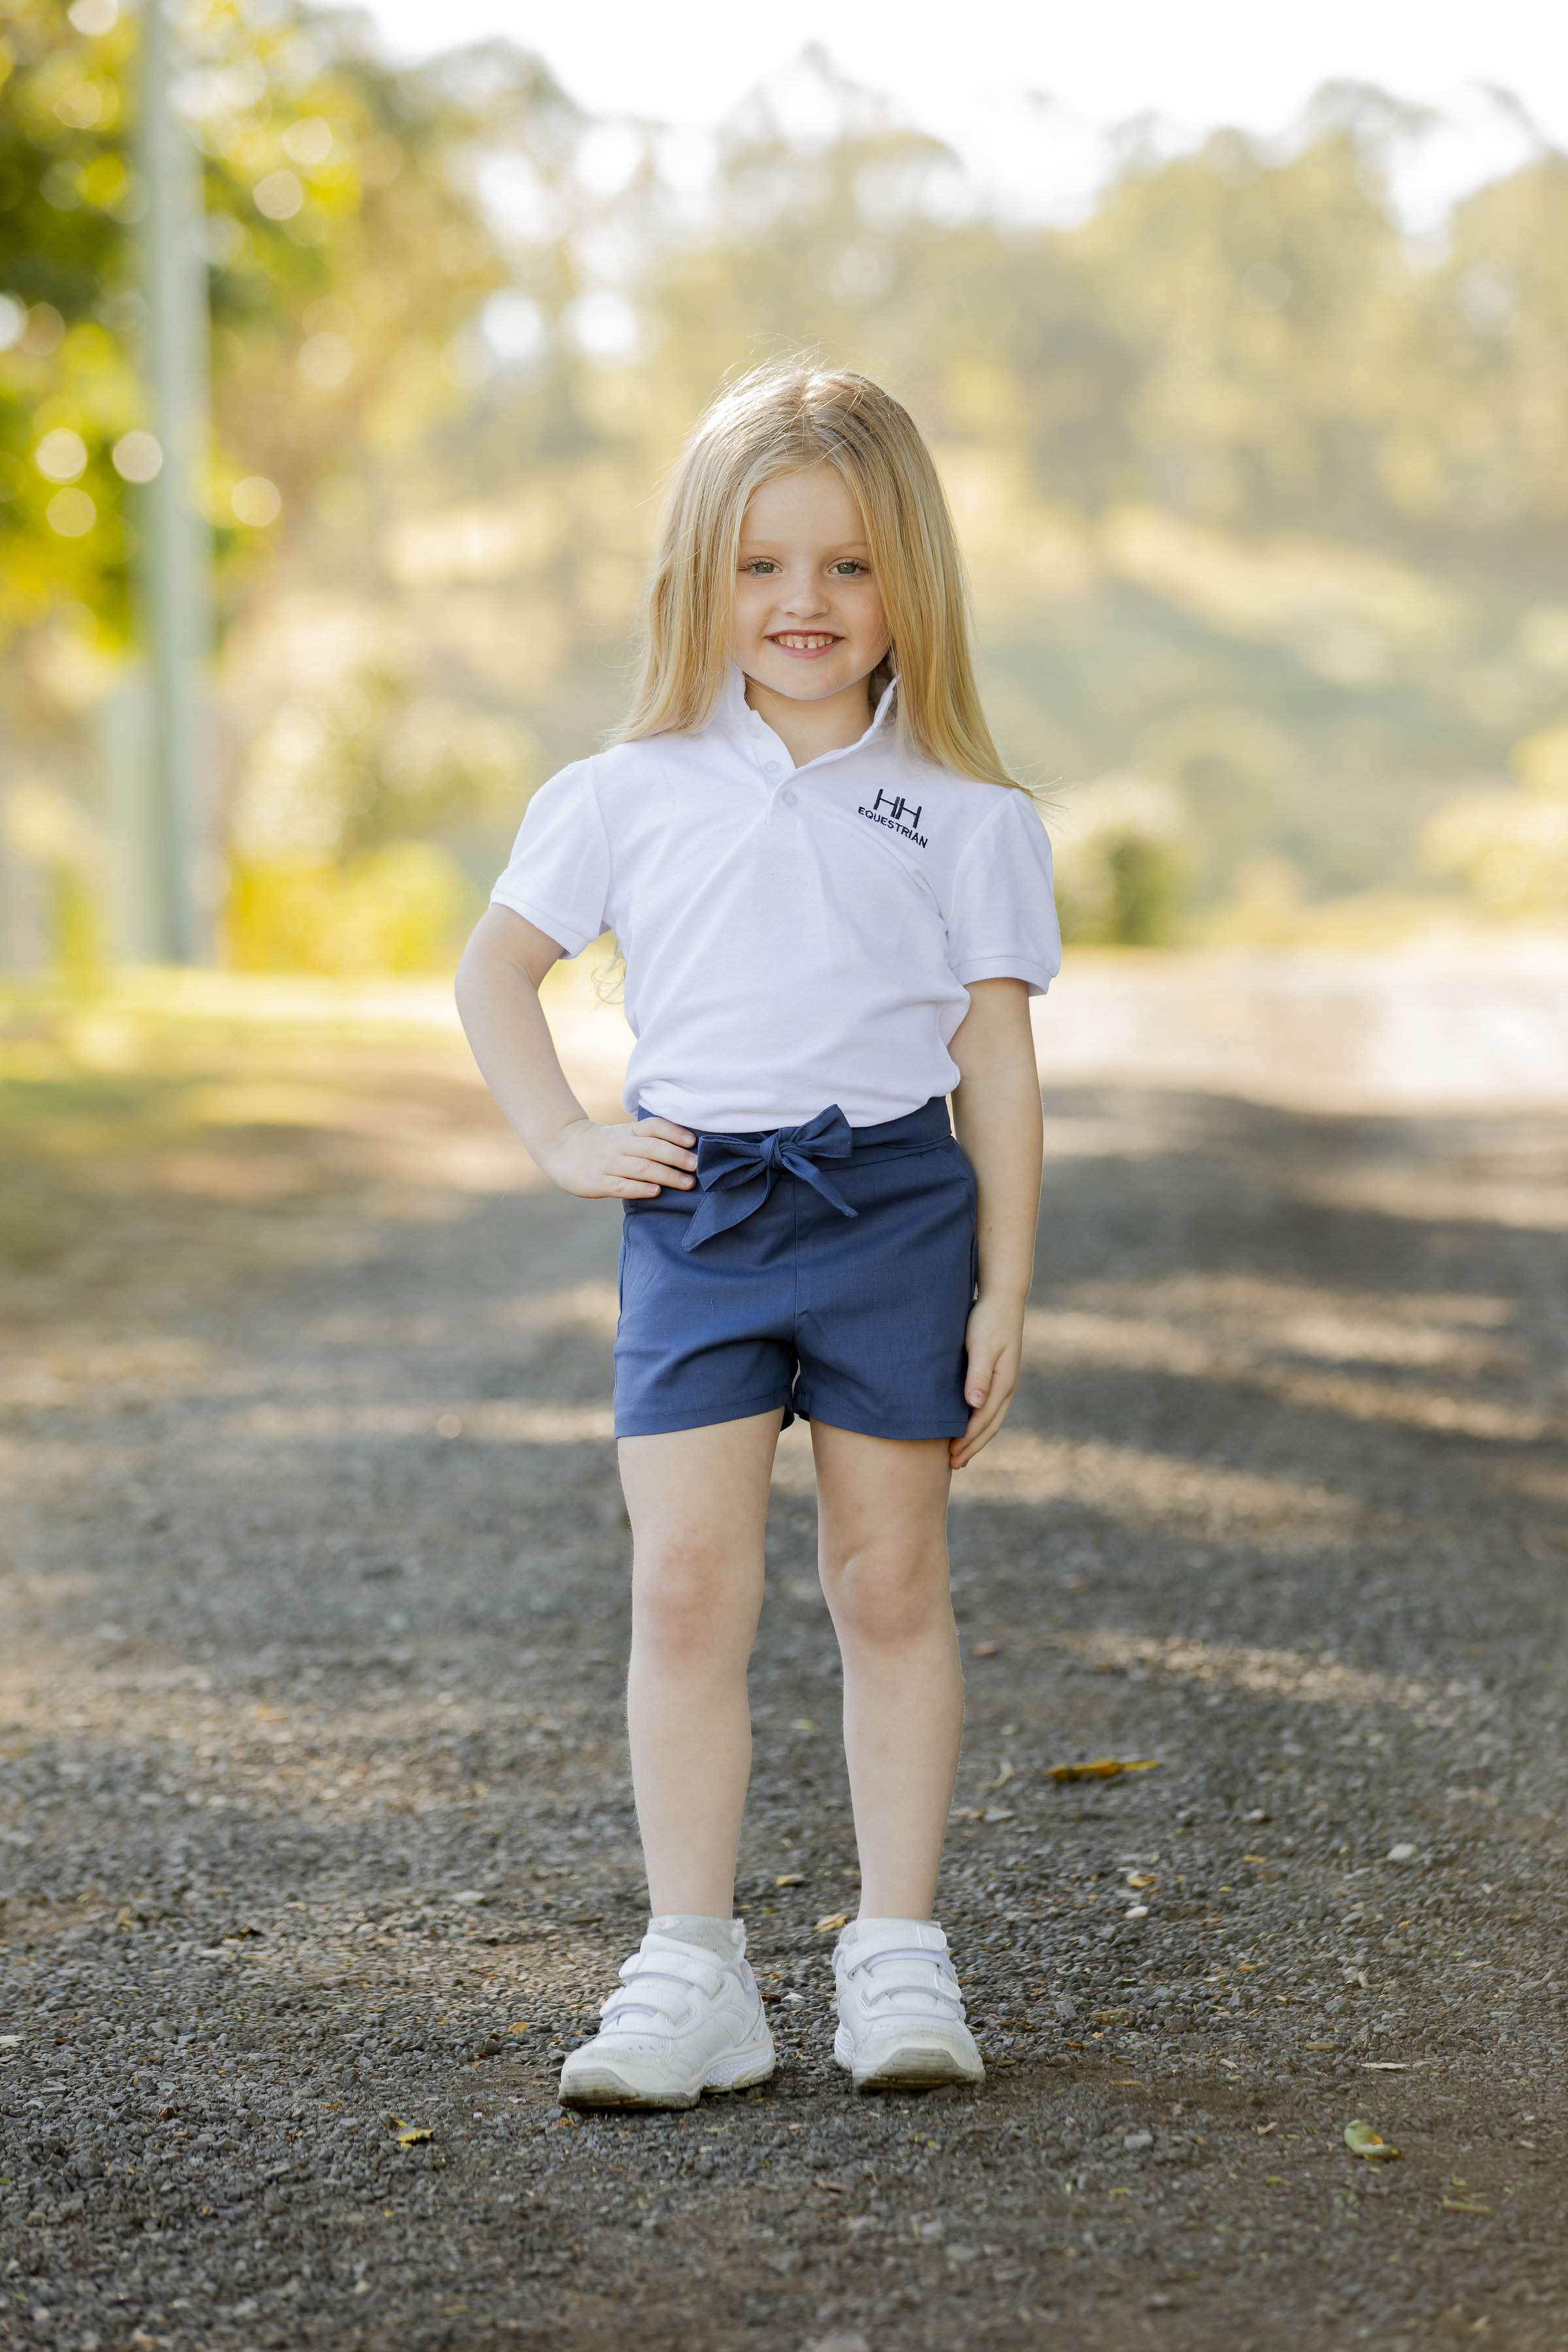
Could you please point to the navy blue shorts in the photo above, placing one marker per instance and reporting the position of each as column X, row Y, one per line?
column 855, row 1320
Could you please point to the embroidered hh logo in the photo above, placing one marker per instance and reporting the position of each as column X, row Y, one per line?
column 899, row 810
column 892, row 810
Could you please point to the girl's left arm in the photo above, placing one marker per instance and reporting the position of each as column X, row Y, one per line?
column 997, row 1114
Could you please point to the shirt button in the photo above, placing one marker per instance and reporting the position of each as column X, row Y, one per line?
column 770, row 767
column 788, row 799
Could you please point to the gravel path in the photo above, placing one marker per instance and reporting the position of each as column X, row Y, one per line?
column 313, row 1807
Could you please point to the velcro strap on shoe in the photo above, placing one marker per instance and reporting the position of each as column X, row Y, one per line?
column 911, row 1970
column 875, row 1961
column 659, row 1979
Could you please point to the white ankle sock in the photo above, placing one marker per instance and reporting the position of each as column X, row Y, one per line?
column 726, row 1938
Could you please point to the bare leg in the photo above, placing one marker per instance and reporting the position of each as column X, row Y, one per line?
column 698, row 1501
column 883, row 1518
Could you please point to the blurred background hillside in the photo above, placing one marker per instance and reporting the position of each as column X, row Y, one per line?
column 1264, row 495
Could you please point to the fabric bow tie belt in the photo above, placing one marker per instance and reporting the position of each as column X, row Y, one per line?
column 737, row 1173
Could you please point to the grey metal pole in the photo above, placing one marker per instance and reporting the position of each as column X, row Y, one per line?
column 175, row 557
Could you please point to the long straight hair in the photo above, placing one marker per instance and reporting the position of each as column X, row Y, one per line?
column 782, row 419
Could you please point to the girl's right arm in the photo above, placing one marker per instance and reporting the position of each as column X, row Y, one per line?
column 498, row 1003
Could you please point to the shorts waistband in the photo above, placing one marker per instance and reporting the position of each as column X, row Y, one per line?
column 735, row 1172
column 929, row 1123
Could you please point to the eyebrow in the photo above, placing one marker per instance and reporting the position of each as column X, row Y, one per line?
column 777, row 546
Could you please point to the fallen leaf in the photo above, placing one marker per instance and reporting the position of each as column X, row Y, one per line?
column 519, row 2028
column 834, row 2188
column 834, row 1919
column 1364, row 2139
column 983, row 1649
column 237, row 1935
column 1263, row 2130
column 1462, row 2205
column 791, row 1878
column 1142, row 1878
column 407, row 2135
column 997, row 1813
column 1317, row 2045
column 1104, row 1767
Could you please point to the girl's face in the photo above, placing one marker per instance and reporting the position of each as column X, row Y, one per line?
column 808, row 615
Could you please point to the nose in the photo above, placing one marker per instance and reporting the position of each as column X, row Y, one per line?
column 804, row 595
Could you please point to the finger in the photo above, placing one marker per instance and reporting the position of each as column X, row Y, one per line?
column 629, row 1161
column 667, row 1130
column 975, row 1441
column 982, row 1427
column 671, row 1154
column 653, row 1171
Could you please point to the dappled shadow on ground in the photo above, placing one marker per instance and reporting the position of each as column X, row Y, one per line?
column 316, row 1811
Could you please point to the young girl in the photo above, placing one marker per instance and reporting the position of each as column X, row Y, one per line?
column 834, row 906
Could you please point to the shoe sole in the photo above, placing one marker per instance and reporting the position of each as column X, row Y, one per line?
column 912, row 2067
column 601, row 2087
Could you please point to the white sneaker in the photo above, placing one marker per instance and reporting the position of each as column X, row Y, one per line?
column 684, row 2022
column 901, row 2012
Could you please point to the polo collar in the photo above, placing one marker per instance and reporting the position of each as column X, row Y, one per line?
column 734, row 714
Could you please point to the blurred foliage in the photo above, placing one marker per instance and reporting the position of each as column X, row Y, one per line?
column 1120, row 864
column 394, row 910
column 1510, row 848
column 1265, row 506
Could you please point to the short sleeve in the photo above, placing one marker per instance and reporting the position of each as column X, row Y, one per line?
column 559, row 874
column 1002, row 923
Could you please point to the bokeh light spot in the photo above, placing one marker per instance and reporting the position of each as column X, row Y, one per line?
column 309, row 142
column 61, row 455
column 279, row 196
column 71, row 513
column 256, row 501
column 137, row 457
column 326, row 359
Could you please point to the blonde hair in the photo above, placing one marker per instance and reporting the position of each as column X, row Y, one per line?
column 782, row 419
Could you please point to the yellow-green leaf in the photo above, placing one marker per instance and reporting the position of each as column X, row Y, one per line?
column 1363, row 2139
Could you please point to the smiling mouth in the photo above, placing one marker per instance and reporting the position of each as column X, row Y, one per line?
column 803, row 641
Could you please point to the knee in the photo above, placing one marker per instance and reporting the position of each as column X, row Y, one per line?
column 886, row 1601
column 679, row 1600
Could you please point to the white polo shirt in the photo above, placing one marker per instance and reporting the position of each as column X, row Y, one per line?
column 793, row 937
